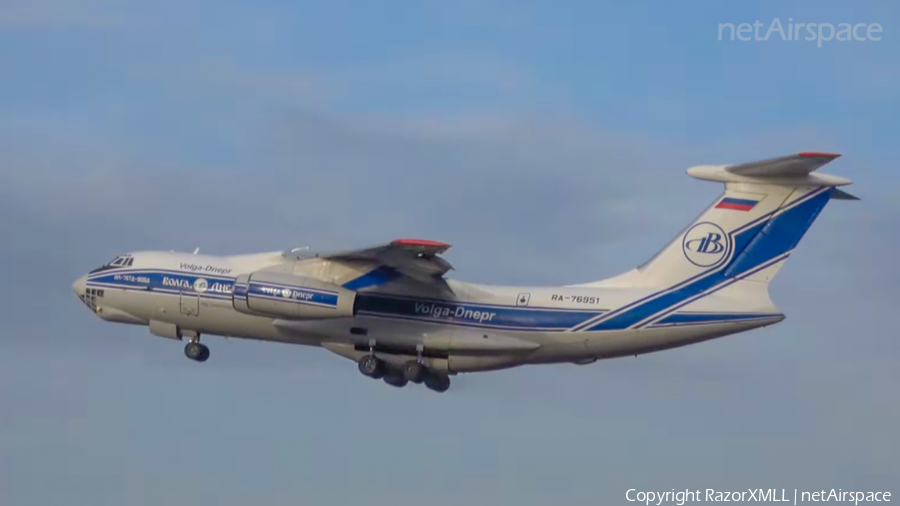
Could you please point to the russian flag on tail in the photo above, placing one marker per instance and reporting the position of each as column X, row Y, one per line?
column 736, row 204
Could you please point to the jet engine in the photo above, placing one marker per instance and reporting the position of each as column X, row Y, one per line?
column 281, row 295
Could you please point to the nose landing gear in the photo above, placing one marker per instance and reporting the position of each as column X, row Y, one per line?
column 196, row 351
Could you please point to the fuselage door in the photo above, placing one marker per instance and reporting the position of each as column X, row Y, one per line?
column 190, row 304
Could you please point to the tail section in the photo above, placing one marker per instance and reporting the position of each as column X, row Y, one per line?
column 750, row 230
column 738, row 244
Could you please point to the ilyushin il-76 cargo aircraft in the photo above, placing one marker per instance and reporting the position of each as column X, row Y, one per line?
column 390, row 309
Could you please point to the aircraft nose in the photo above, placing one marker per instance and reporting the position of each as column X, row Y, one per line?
column 79, row 286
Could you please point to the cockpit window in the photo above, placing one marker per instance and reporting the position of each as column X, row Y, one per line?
column 116, row 263
column 122, row 261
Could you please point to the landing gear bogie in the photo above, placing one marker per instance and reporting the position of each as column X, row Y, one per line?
column 413, row 371
column 395, row 379
column 371, row 366
column 399, row 375
column 436, row 382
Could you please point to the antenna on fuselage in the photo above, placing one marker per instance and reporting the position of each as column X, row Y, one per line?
column 197, row 250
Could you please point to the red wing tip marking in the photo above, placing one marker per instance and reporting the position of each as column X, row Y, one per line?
column 816, row 154
column 420, row 242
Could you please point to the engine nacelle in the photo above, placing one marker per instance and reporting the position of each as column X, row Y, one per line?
column 281, row 295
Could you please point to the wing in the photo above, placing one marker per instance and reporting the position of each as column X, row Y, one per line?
column 416, row 258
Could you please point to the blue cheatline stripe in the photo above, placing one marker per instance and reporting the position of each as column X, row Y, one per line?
column 482, row 305
column 191, row 275
column 158, row 291
column 642, row 308
column 166, row 281
column 771, row 319
column 747, row 273
column 728, row 282
column 471, row 314
column 741, row 235
column 791, row 226
column 516, row 328
column 782, row 209
column 291, row 301
column 780, row 234
column 295, row 294
column 292, row 287
column 377, row 277
column 712, row 317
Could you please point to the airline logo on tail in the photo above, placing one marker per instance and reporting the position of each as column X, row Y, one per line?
column 705, row 244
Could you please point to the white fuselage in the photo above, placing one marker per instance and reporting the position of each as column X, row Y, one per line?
column 390, row 308
column 462, row 327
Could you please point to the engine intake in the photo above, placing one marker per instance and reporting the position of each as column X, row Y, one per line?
column 292, row 297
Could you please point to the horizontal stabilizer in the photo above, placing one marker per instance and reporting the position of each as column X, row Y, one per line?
column 786, row 166
column 839, row 194
column 791, row 170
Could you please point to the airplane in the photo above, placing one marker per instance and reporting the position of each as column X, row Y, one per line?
column 391, row 309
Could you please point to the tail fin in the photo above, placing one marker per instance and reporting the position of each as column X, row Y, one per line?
column 749, row 231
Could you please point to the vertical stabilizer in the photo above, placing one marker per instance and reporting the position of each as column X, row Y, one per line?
column 750, row 229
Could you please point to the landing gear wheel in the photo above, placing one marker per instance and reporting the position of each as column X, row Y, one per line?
column 412, row 371
column 372, row 367
column 196, row 351
column 395, row 379
column 436, row 382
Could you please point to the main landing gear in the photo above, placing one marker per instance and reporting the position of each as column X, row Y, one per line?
column 371, row 367
column 196, row 351
column 412, row 371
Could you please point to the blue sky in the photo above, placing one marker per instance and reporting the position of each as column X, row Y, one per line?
column 546, row 140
